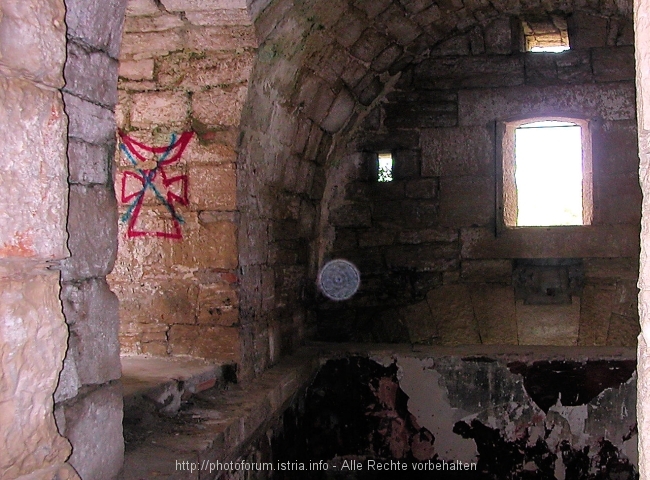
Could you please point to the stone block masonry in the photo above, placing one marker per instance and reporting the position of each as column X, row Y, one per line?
column 440, row 123
column 183, row 68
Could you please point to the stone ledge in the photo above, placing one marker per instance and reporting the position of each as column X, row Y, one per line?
column 593, row 241
column 217, row 425
column 168, row 381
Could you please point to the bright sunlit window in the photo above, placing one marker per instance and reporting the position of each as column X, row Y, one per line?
column 385, row 167
column 547, row 177
column 548, row 173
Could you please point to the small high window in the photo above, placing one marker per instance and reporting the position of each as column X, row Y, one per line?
column 547, row 175
column 384, row 167
column 545, row 34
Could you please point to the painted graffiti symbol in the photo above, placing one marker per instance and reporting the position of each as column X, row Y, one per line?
column 152, row 179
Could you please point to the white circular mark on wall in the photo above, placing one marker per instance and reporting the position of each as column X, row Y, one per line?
column 339, row 279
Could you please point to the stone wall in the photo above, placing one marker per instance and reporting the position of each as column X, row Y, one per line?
column 184, row 67
column 89, row 395
column 433, row 269
column 541, row 414
column 33, row 333
column 48, row 194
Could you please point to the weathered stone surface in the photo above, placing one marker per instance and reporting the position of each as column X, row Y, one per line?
column 407, row 213
column 89, row 122
column 219, row 306
column 59, row 472
column 399, row 26
column 202, row 341
column 595, row 311
column 451, row 308
column 349, row 28
column 469, row 72
column 406, row 164
column 369, row 45
column 494, row 308
column 610, row 102
column 141, row 7
column 457, row 151
column 211, row 245
column 422, row 328
column 466, row 201
column 498, row 37
column 219, row 106
column 428, row 235
column 453, row 47
column 623, row 331
column 202, row 5
column 376, row 238
column 93, row 423
column 198, row 71
column 69, row 383
column 339, row 112
column 317, row 97
column 150, row 44
column 91, row 311
column 541, row 69
column 625, row 301
column 136, row 69
column 574, row 66
column 351, row 216
column 98, row 88
column 32, row 346
column 423, row 188
column 97, row 23
column 213, row 187
column 33, row 175
column 613, row 64
column 89, row 164
column 610, row 270
column 486, row 271
column 548, row 324
column 32, row 40
column 600, row 241
column 156, row 303
column 615, row 147
column 92, row 230
column 617, row 199
column 154, row 23
column 159, row 108
column 228, row 16
column 230, row 37
column 387, row 58
column 421, row 109
column 587, row 30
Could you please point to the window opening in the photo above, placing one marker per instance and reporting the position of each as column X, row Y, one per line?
column 385, row 167
column 546, row 35
column 546, row 173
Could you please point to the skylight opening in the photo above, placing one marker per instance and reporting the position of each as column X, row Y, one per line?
column 385, row 167
column 549, row 173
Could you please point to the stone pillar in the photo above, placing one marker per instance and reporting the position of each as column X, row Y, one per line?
column 89, row 397
column 642, row 39
column 33, row 208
